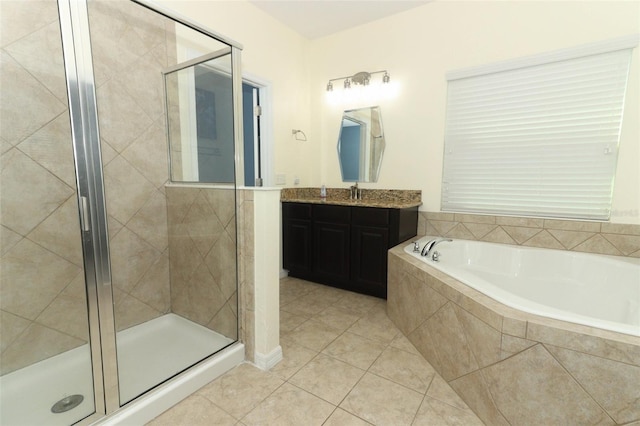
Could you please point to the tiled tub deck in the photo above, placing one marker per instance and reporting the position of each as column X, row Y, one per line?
column 511, row 367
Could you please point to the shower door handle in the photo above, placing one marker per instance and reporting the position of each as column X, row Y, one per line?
column 85, row 221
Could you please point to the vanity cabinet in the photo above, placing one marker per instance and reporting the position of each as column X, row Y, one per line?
column 344, row 246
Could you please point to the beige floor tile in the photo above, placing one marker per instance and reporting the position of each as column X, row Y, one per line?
column 404, row 368
column 241, row 389
column 289, row 321
column 336, row 318
column 196, row 410
column 401, row 342
column 313, row 335
column 355, row 350
column 327, row 378
column 366, row 328
column 434, row 412
column 342, row 418
column 382, row 402
column 289, row 405
column 294, row 357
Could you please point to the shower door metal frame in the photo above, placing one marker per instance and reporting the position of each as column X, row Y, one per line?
column 77, row 54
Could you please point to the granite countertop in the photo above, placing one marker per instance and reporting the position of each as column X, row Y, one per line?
column 381, row 198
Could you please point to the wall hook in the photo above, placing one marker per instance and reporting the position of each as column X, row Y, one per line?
column 297, row 132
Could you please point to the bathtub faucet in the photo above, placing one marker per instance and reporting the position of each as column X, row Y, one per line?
column 428, row 248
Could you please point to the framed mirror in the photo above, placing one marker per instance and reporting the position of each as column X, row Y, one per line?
column 361, row 144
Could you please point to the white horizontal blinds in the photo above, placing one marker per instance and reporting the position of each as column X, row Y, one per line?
column 536, row 141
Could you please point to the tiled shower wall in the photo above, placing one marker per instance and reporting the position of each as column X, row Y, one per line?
column 202, row 241
column 42, row 298
column 42, row 283
column 131, row 46
column 584, row 236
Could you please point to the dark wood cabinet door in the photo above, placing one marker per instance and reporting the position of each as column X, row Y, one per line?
column 369, row 260
column 331, row 252
column 297, row 246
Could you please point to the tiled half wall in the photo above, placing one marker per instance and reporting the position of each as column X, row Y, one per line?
column 591, row 237
column 508, row 366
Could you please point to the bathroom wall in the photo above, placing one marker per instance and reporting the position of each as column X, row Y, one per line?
column 419, row 46
column 42, row 298
column 278, row 56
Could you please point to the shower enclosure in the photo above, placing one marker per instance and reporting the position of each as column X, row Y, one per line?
column 119, row 123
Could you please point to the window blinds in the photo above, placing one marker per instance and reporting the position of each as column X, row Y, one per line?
column 537, row 140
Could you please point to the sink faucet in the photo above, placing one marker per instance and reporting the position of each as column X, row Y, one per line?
column 428, row 248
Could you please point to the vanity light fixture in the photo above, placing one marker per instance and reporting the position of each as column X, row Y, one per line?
column 361, row 78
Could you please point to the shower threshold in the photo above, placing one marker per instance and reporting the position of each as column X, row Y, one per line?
column 148, row 354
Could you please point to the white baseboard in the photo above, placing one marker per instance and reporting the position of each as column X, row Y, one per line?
column 266, row 361
column 284, row 273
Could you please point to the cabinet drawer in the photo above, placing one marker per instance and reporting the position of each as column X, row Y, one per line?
column 298, row 211
column 370, row 216
column 331, row 214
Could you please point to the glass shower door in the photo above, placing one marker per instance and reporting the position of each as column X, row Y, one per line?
column 45, row 360
column 172, row 250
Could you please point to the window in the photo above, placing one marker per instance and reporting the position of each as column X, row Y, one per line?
column 537, row 136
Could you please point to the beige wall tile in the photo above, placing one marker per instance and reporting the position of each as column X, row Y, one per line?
column 51, row 148
column 598, row 244
column 526, row 222
column 454, row 353
column 31, row 278
column 552, row 396
column 22, row 92
column 148, row 154
column 614, row 385
column 627, row 244
column 154, row 287
column 474, row 218
column 67, row 315
column 441, row 226
column 131, row 258
column 60, row 232
column 572, row 225
column 126, row 190
column 479, row 230
column 498, row 235
column 11, row 326
column 35, row 344
column 544, row 239
column 598, row 346
column 475, row 393
column 18, row 19
column 40, row 53
column 484, row 340
column 8, row 239
column 131, row 311
column 618, row 228
column 460, row 231
column 410, row 302
column 28, row 187
column 512, row 345
column 514, row 327
column 520, row 233
column 435, row 412
column 570, row 239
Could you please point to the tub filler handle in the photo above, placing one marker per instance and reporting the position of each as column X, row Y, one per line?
column 427, row 250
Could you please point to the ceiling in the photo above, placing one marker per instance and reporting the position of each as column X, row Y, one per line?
column 318, row 18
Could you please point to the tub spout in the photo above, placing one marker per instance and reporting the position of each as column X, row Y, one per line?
column 428, row 248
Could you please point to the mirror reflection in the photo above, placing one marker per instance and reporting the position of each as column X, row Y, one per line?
column 361, row 144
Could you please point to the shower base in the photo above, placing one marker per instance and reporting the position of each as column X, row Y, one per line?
column 148, row 354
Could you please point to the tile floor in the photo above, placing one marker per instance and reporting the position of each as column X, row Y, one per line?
column 345, row 363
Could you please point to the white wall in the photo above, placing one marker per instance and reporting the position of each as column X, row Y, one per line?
column 274, row 53
column 419, row 46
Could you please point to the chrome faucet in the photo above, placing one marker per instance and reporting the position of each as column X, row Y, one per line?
column 431, row 244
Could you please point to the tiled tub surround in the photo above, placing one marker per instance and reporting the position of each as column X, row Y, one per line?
column 386, row 198
column 584, row 236
column 511, row 367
